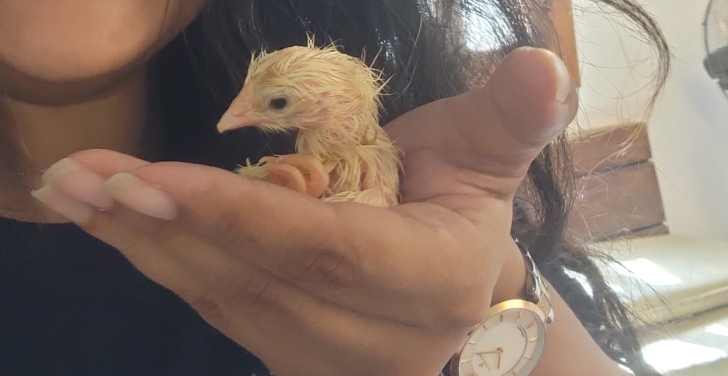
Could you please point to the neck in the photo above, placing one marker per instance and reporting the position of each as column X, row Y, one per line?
column 33, row 136
column 348, row 132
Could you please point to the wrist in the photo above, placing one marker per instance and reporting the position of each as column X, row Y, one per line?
column 514, row 329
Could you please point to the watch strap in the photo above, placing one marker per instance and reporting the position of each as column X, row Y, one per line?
column 537, row 292
column 536, row 289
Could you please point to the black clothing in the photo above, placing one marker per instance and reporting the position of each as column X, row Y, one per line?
column 73, row 305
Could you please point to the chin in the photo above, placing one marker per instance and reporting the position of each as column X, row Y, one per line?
column 61, row 89
column 64, row 69
column 68, row 41
column 67, row 60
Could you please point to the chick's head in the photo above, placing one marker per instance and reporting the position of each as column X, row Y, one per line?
column 305, row 88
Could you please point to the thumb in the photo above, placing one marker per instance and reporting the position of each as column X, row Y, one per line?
column 533, row 96
column 495, row 130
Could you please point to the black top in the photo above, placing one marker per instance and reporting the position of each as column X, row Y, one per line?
column 72, row 305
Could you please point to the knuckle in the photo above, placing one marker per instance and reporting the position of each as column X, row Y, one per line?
column 136, row 230
column 207, row 307
column 226, row 225
column 229, row 229
column 237, row 293
column 142, row 224
column 255, row 293
column 131, row 244
column 328, row 267
column 324, row 264
column 243, row 287
column 93, row 225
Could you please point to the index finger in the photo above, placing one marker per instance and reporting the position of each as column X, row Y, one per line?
column 358, row 256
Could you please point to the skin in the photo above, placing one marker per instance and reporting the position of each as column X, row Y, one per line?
column 310, row 294
column 65, row 88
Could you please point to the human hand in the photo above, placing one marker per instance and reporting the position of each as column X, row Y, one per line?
column 340, row 289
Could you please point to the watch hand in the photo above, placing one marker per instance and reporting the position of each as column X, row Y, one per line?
column 499, row 350
column 482, row 363
column 500, row 353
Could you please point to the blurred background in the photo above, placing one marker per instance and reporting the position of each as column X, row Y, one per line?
column 652, row 189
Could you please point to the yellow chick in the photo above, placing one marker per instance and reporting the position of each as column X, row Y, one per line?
column 332, row 100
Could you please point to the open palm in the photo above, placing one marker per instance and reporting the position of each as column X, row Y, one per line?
column 345, row 289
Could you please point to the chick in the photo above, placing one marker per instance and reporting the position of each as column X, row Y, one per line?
column 332, row 100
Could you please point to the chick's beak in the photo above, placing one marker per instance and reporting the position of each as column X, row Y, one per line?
column 240, row 114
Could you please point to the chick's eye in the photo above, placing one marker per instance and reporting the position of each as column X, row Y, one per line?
column 278, row 103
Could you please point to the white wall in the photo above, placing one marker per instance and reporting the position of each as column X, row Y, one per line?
column 688, row 130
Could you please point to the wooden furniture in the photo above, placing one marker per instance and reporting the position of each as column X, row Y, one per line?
column 618, row 194
column 617, row 190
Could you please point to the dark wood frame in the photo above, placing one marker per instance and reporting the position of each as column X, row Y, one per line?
column 617, row 189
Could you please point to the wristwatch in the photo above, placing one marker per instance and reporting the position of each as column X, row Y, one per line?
column 509, row 342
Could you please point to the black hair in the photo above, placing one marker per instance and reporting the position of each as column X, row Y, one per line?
column 426, row 55
column 424, row 51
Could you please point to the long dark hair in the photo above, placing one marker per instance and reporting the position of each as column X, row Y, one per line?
column 425, row 53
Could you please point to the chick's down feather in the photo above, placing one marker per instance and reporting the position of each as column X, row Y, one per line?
column 332, row 101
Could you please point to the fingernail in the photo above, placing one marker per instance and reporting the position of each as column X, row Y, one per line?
column 140, row 196
column 72, row 179
column 69, row 207
column 563, row 85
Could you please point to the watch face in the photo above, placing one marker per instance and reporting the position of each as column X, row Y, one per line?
column 509, row 343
